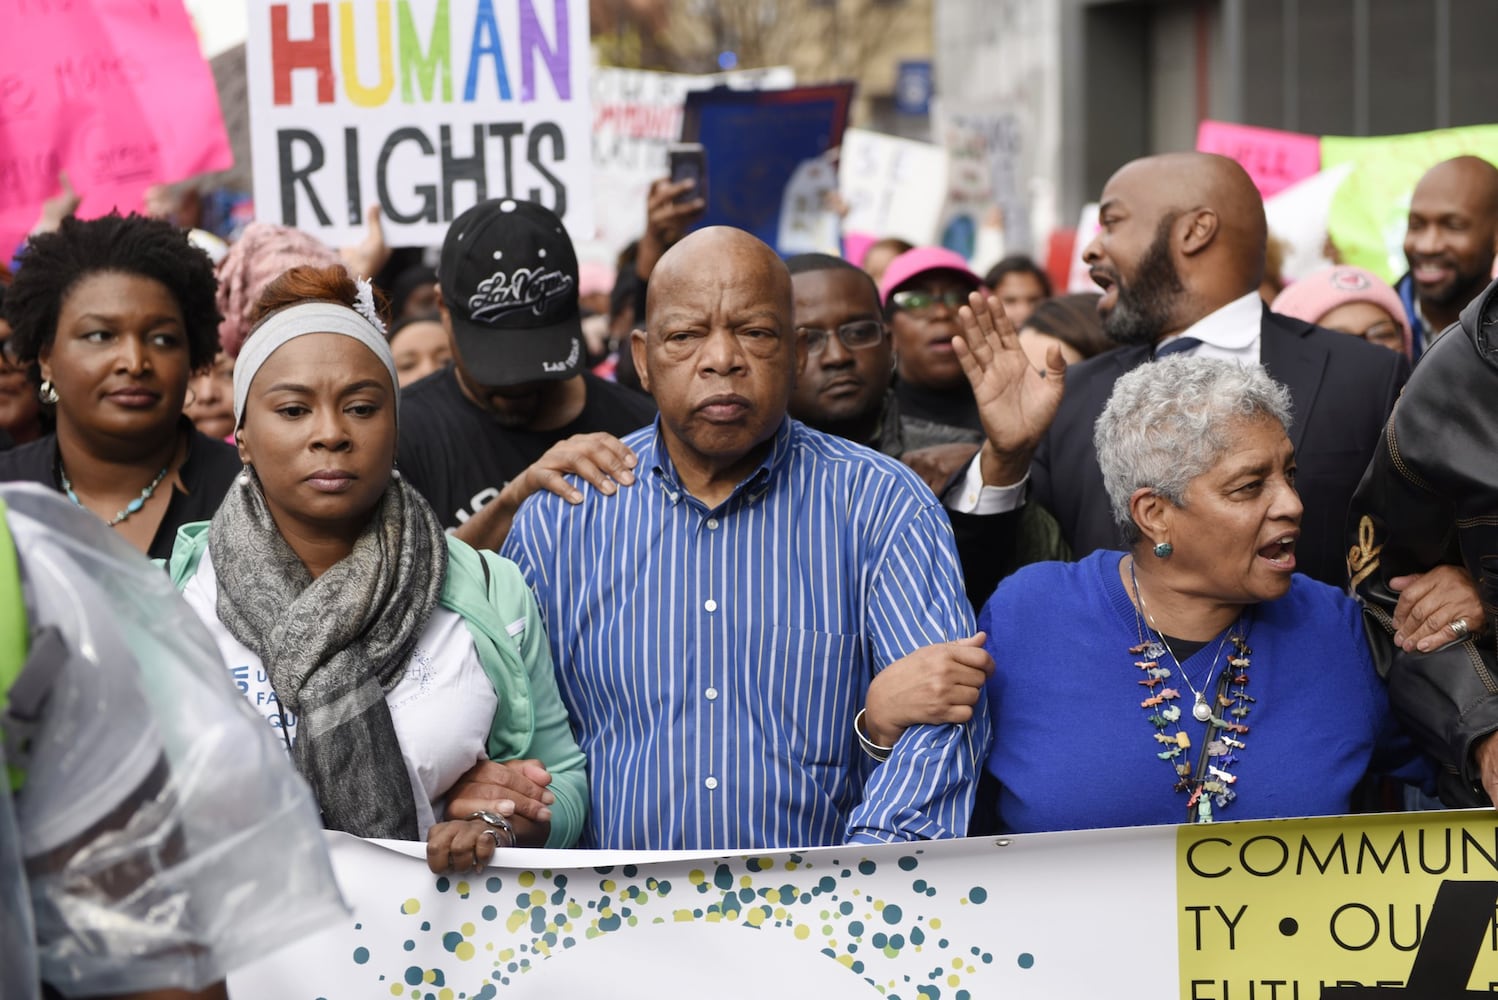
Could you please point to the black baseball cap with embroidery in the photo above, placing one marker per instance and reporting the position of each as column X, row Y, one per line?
column 509, row 280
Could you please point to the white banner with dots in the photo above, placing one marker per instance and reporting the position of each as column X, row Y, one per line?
column 1340, row 908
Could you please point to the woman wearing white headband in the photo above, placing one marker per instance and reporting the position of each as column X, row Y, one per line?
column 392, row 659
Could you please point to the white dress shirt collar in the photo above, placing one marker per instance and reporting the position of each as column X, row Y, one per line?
column 1231, row 328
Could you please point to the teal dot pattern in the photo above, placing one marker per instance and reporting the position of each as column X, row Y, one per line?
column 522, row 918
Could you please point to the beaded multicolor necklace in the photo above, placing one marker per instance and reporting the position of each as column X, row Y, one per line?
column 1211, row 780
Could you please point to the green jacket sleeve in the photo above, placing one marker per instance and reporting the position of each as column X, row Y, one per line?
column 551, row 740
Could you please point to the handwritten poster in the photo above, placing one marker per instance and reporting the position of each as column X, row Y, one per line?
column 423, row 107
column 892, row 187
column 1274, row 159
column 985, row 151
column 114, row 92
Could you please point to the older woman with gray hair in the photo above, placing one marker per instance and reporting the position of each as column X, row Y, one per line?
column 1195, row 675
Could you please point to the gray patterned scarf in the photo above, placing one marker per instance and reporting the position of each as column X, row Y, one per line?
column 335, row 645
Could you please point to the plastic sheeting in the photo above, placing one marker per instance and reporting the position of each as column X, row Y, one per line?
column 166, row 838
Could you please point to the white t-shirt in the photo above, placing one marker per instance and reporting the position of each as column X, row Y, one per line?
column 442, row 707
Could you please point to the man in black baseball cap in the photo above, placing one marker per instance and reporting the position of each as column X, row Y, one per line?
column 509, row 294
column 471, row 433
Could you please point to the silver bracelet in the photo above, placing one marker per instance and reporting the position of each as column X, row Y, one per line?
column 874, row 750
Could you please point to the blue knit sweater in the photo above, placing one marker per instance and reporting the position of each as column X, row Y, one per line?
column 1073, row 748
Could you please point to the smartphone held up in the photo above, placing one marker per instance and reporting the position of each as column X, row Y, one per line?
column 688, row 162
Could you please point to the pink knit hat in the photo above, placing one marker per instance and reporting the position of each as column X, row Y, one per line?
column 1319, row 292
column 914, row 263
column 264, row 251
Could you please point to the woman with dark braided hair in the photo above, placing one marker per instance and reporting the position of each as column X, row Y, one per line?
column 110, row 317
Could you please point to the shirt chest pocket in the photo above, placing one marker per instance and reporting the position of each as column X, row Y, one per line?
column 805, row 687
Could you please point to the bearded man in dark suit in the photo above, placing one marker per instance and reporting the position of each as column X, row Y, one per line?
column 1179, row 257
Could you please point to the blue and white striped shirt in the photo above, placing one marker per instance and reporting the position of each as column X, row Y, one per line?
column 712, row 661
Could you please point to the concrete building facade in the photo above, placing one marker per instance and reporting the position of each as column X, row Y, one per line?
column 1095, row 83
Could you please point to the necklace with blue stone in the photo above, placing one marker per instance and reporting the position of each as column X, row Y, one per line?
column 132, row 507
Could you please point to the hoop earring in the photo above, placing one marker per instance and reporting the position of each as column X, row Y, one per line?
column 192, row 397
column 48, row 392
column 1163, row 550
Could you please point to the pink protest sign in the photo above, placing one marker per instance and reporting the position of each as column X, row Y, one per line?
column 856, row 246
column 1274, row 159
column 114, row 92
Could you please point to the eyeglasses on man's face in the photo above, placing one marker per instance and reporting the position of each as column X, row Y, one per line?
column 915, row 301
column 855, row 336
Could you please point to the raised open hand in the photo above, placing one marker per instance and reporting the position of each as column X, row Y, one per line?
column 1016, row 402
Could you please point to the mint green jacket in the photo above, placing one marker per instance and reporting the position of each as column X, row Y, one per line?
column 531, row 721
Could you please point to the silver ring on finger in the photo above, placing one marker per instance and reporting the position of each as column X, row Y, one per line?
column 1459, row 628
column 492, row 833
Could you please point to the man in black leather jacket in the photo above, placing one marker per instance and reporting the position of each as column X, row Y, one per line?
column 1430, row 498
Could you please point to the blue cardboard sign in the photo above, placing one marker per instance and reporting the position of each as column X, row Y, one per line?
column 755, row 140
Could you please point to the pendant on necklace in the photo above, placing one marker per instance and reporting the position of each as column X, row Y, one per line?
column 1201, row 711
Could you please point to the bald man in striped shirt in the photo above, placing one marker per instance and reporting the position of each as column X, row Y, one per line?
column 715, row 625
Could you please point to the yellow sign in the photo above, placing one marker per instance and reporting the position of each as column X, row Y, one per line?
column 1345, row 908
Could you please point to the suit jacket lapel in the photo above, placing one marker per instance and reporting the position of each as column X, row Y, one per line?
column 1131, row 357
column 1289, row 361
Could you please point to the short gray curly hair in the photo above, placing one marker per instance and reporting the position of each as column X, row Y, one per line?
column 1169, row 421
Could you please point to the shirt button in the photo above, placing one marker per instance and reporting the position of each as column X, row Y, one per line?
column 710, row 604
column 711, row 694
column 712, row 524
column 674, row 496
column 711, row 783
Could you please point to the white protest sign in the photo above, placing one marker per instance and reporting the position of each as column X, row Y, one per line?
column 636, row 117
column 1298, row 215
column 423, row 107
column 986, row 172
column 1078, row 278
column 892, row 187
column 808, row 221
